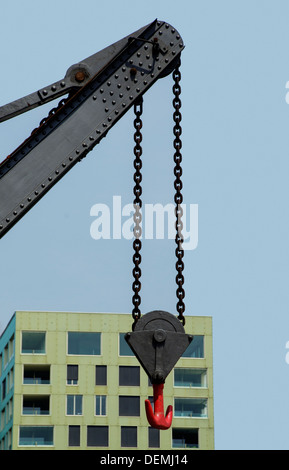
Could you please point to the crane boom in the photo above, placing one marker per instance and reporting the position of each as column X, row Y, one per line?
column 101, row 90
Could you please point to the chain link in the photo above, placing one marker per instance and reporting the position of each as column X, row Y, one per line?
column 137, row 244
column 177, row 116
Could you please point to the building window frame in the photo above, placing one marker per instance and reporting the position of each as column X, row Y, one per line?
column 83, row 343
column 100, row 408
column 39, row 352
column 74, row 405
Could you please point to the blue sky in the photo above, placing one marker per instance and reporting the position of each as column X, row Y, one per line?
column 235, row 148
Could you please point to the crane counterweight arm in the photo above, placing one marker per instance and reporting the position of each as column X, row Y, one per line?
column 102, row 88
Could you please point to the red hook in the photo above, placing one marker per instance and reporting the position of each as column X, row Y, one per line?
column 157, row 419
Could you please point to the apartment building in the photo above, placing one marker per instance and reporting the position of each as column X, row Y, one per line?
column 70, row 381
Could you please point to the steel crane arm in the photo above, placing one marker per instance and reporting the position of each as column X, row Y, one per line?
column 102, row 88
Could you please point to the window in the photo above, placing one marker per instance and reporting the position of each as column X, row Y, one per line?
column 72, row 374
column 124, row 349
column 4, row 389
column 35, row 405
column 36, row 374
column 196, row 347
column 33, row 342
column 87, row 344
column 100, row 375
column 97, row 436
column 128, row 436
column 100, row 405
column 129, row 406
column 129, row 375
column 154, row 437
column 185, row 438
column 74, row 436
column 74, row 405
column 191, row 407
column 185, row 377
column 36, row 436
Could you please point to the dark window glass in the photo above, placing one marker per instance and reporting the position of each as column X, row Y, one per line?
column 80, row 343
column 3, row 389
column 36, row 374
column 74, row 436
column 124, row 349
column 100, row 375
column 154, row 437
column 128, row 436
column 97, row 436
column 196, row 347
column 129, row 375
column 33, row 342
column 36, row 436
column 129, row 406
column 35, row 405
column 72, row 374
column 185, row 438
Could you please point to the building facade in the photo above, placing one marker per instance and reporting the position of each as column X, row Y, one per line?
column 70, row 381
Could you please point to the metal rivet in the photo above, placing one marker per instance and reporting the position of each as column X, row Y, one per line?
column 14, row 212
column 43, row 185
column 22, row 206
column 7, row 220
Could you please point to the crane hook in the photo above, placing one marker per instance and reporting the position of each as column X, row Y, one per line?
column 157, row 418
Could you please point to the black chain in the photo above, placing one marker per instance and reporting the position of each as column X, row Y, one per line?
column 137, row 244
column 178, row 195
column 136, row 313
